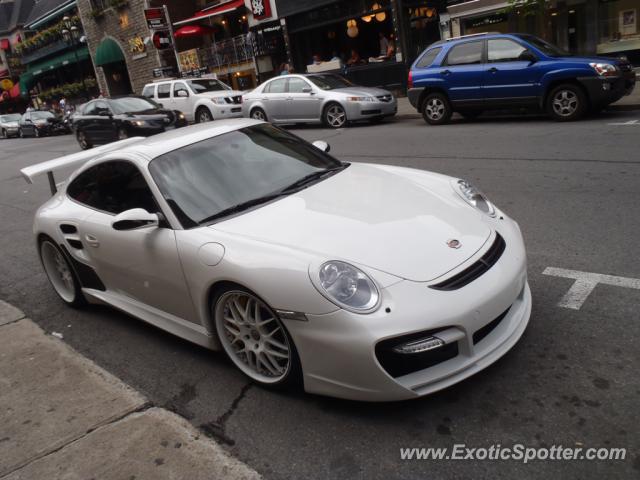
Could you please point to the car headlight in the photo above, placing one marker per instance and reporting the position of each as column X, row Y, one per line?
column 348, row 286
column 137, row 123
column 219, row 101
column 475, row 198
column 605, row 69
column 361, row 99
column 181, row 116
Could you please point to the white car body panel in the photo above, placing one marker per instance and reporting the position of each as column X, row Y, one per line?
column 391, row 222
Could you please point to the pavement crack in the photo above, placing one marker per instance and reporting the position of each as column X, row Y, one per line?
column 217, row 428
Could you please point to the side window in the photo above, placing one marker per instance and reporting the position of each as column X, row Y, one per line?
column 163, row 90
column 101, row 106
column 180, row 86
column 276, row 86
column 112, row 187
column 504, row 50
column 148, row 91
column 465, row 54
column 296, row 85
column 90, row 109
column 428, row 58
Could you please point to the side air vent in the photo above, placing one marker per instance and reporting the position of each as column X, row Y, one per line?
column 489, row 327
column 67, row 228
column 77, row 244
column 477, row 269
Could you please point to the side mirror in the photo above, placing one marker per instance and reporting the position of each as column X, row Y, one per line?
column 306, row 90
column 528, row 56
column 322, row 145
column 104, row 113
column 182, row 93
column 134, row 219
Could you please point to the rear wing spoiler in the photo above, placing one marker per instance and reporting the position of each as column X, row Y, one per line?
column 71, row 161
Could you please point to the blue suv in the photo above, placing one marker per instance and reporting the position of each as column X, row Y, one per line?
column 474, row 73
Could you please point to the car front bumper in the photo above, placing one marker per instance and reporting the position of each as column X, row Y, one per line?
column 603, row 91
column 368, row 110
column 231, row 110
column 11, row 131
column 338, row 350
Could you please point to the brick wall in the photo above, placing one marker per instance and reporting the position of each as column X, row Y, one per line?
column 109, row 25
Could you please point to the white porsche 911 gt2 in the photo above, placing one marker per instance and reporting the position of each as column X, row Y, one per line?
column 367, row 282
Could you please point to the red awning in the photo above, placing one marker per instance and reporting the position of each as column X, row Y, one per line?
column 212, row 11
column 4, row 44
column 193, row 31
column 15, row 91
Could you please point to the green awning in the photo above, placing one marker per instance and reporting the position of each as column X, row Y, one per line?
column 38, row 68
column 108, row 52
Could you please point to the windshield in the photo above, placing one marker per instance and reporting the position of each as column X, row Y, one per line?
column 13, row 117
column 205, row 178
column 545, row 47
column 132, row 104
column 329, row 82
column 207, row 85
column 41, row 115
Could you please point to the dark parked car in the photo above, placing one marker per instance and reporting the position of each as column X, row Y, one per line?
column 473, row 73
column 108, row 119
column 38, row 123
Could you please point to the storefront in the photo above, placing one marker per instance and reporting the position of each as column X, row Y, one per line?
column 370, row 42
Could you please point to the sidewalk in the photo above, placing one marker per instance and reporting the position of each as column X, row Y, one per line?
column 61, row 416
column 629, row 102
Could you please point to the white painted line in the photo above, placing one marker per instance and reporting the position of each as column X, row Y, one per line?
column 584, row 284
column 630, row 122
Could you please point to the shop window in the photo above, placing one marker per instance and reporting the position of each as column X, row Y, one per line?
column 503, row 50
column 163, row 90
column 99, row 5
column 428, row 58
column 465, row 54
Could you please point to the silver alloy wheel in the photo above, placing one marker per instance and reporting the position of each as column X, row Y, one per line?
column 36, row 132
column 122, row 134
column 204, row 115
column 435, row 109
column 82, row 139
column 565, row 103
column 252, row 336
column 258, row 114
column 58, row 270
column 336, row 116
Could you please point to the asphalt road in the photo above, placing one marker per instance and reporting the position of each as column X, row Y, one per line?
column 572, row 380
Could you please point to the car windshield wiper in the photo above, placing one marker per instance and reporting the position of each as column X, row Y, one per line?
column 312, row 177
column 241, row 207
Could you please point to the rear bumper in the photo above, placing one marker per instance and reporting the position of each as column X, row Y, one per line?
column 603, row 91
column 414, row 96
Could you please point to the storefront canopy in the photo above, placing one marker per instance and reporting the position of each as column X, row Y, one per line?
column 193, row 31
column 108, row 52
column 28, row 78
column 212, row 11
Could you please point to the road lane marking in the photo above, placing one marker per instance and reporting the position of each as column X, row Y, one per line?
column 630, row 122
column 584, row 284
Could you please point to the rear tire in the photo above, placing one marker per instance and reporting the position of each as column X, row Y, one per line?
column 259, row 114
column 60, row 273
column 203, row 114
column 566, row 103
column 436, row 109
column 83, row 141
column 4, row 134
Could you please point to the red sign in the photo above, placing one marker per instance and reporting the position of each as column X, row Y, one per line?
column 156, row 18
column 161, row 40
column 261, row 9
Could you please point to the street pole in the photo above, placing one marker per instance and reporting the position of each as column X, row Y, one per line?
column 173, row 40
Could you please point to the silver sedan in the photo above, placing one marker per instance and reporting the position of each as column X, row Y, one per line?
column 9, row 125
column 317, row 98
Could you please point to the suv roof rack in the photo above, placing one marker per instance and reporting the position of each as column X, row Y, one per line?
column 471, row 35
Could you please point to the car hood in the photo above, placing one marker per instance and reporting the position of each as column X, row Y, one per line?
column 360, row 91
column 147, row 115
column 613, row 60
column 375, row 216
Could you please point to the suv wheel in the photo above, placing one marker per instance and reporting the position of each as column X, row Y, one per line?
column 436, row 109
column 203, row 115
column 566, row 102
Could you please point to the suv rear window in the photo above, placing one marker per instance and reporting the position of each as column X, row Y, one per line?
column 465, row 54
column 428, row 58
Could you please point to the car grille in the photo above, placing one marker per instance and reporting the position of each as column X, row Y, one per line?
column 399, row 364
column 471, row 273
column 489, row 327
column 234, row 100
column 385, row 98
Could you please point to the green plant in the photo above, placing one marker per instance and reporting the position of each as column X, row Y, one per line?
column 45, row 37
column 68, row 90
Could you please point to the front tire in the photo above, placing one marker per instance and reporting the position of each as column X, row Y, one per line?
column 122, row 134
column 83, row 141
column 60, row 273
column 4, row 134
column 254, row 338
column 436, row 109
column 334, row 116
column 566, row 103
column 203, row 114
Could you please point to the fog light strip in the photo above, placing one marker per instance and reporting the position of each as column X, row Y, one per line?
column 419, row 346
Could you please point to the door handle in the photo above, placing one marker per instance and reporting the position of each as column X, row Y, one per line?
column 492, row 70
column 289, row 98
column 92, row 241
column 445, row 72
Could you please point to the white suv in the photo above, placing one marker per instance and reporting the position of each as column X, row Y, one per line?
column 200, row 99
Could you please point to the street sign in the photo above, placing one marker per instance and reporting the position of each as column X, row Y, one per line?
column 164, row 72
column 161, row 40
column 156, row 19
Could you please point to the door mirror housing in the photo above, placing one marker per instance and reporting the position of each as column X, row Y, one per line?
column 322, row 145
column 528, row 56
column 182, row 93
column 104, row 113
column 307, row 90
column 135, row 219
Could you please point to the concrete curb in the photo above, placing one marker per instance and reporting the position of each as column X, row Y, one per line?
column 65, row 417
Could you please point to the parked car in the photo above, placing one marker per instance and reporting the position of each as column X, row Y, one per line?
column 479, row 72
column 9, row 125
column 108, row 119
column 201, row 99
column 39, row 123
column 317, row 98
column 367, row 282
